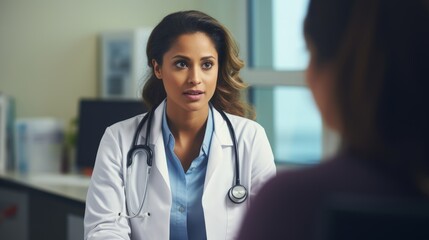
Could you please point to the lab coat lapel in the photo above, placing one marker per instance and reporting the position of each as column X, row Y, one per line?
column 217, row 182
column 221, row 138
column 156, row 142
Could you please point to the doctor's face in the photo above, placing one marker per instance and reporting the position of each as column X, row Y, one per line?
column 189, row 72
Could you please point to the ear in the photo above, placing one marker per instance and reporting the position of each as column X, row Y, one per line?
column 156, row 69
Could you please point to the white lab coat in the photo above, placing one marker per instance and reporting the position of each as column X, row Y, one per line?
column 106, row 196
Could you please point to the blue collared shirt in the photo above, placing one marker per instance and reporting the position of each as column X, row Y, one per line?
column 186, row 214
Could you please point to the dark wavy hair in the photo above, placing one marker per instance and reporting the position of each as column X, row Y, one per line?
column 227, row 96
column 380, row 57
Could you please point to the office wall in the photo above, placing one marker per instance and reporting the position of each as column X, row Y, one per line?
column 49, row 53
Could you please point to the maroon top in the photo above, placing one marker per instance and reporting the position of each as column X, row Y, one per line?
column 289, row 206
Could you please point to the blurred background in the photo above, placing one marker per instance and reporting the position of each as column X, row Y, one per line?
column 49, row 50
column 70, row 68
column 53, row 54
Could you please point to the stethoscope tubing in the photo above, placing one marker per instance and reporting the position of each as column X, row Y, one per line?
column 144, row 196
column 234, row 142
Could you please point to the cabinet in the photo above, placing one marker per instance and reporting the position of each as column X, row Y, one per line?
column 43, row 210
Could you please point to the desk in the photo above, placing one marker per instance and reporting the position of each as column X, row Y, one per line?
column 49, row 206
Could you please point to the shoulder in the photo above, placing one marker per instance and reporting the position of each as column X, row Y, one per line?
column 297, row 197
column 324, row 173
column 343, row 174
column 125, row 126
column 242, row 124
column 290, row 198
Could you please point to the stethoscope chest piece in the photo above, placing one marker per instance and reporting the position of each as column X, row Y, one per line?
column 237, row 194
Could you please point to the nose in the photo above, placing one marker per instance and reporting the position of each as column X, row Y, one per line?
column 194, row 76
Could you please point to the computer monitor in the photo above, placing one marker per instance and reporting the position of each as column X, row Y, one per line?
column 95, row 115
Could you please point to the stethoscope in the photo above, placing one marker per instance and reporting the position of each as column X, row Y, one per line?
column 237, row 193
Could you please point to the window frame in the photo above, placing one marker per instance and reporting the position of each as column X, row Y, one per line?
column 264, row 75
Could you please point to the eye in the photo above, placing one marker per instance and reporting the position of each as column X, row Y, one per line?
column 207, row 65
column 180, row 64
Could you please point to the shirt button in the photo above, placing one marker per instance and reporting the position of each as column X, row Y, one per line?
column 181, row 209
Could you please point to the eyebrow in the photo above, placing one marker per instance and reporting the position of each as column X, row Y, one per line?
column 187, row 58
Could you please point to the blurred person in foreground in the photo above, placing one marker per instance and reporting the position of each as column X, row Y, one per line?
column 368, row 74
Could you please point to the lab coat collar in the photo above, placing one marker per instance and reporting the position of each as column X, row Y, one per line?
column 220, row 127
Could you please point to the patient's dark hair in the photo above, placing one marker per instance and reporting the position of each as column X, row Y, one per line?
column 380, row 55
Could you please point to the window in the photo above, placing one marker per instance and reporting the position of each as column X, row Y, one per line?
column 277, row 58
column 289, row 49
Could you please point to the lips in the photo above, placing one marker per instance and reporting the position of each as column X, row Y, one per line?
column 193, row 92
column 193, row 95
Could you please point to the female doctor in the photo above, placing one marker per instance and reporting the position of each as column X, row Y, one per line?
column 189, row 168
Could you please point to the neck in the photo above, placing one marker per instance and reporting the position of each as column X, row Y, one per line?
column 186, row 124
column 188, row 129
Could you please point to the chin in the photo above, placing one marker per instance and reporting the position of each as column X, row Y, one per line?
column 197, row 106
